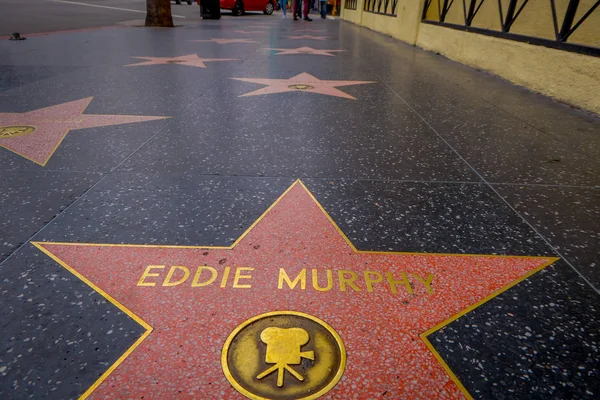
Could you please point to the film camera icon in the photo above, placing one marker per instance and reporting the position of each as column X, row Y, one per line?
column 283, row 350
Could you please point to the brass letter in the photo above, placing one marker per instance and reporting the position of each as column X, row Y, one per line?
column 195, row 282
column 347, row 281
column 186, row 274
column 239, row 276
column 370, row 281
column 426, row 282
column 283, row 276
column 147, row 274
column 315, row 281
column 225, row 277
column 404, row 281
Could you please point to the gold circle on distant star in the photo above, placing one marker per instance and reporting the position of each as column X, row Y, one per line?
column 283, row 355
column 15, row 131
column 301, row 86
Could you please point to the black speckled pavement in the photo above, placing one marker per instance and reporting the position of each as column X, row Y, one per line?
column 162, row 187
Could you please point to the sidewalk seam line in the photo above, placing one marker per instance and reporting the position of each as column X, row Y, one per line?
column 492, row 188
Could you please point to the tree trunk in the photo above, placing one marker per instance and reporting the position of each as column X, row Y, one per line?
column 158, row 13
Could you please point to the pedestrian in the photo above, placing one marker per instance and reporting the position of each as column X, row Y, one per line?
column 283, row 5
column 323, row 8
column 297, row 4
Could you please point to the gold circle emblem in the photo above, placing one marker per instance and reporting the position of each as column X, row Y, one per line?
column 283, row 355
column 14, row 131
column 301, row 87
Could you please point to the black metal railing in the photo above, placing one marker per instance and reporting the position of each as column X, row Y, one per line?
column 350, row 4
column 384, row 7
column 565, row 24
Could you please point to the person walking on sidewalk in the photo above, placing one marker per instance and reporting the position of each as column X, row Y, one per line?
column 283, row 5
column 297, row 10
column 323, row 8
column 306, row 4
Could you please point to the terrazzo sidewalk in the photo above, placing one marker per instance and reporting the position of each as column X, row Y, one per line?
column 160, row 187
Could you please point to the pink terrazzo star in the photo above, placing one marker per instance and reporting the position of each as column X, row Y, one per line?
column 384, row 305
column 301, row 83
column 37, row 134
column 309, row 30
column 297, row 37
column 306, row 50
column 191, row 60
column 225, row 41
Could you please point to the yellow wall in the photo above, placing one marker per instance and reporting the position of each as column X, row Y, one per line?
column 589, row 32
column 569, row 77
column 380, row 23
column 353, row 16
column 535, row 19
column 403, row 26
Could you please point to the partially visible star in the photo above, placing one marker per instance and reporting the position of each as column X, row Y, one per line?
column 305, row 50
column 191, row 60
column 35, row 135
column 309, row 30
column 225, row 41
column 261, row 26
column 301, row 83
column 295, row 37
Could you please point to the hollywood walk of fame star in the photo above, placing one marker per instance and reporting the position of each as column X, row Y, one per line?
column 37, row 134
column 191, row 60
column 309, row 30
column 306, row 50
column 311, row 37
column 301, row 83
column 384, row 315
column 225, row 41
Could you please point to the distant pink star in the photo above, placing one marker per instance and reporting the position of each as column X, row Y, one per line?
column 191, row 60
column 301, row 83
column 306, row 50
column 226, row 41
column 308, row 37
column 36, row 134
